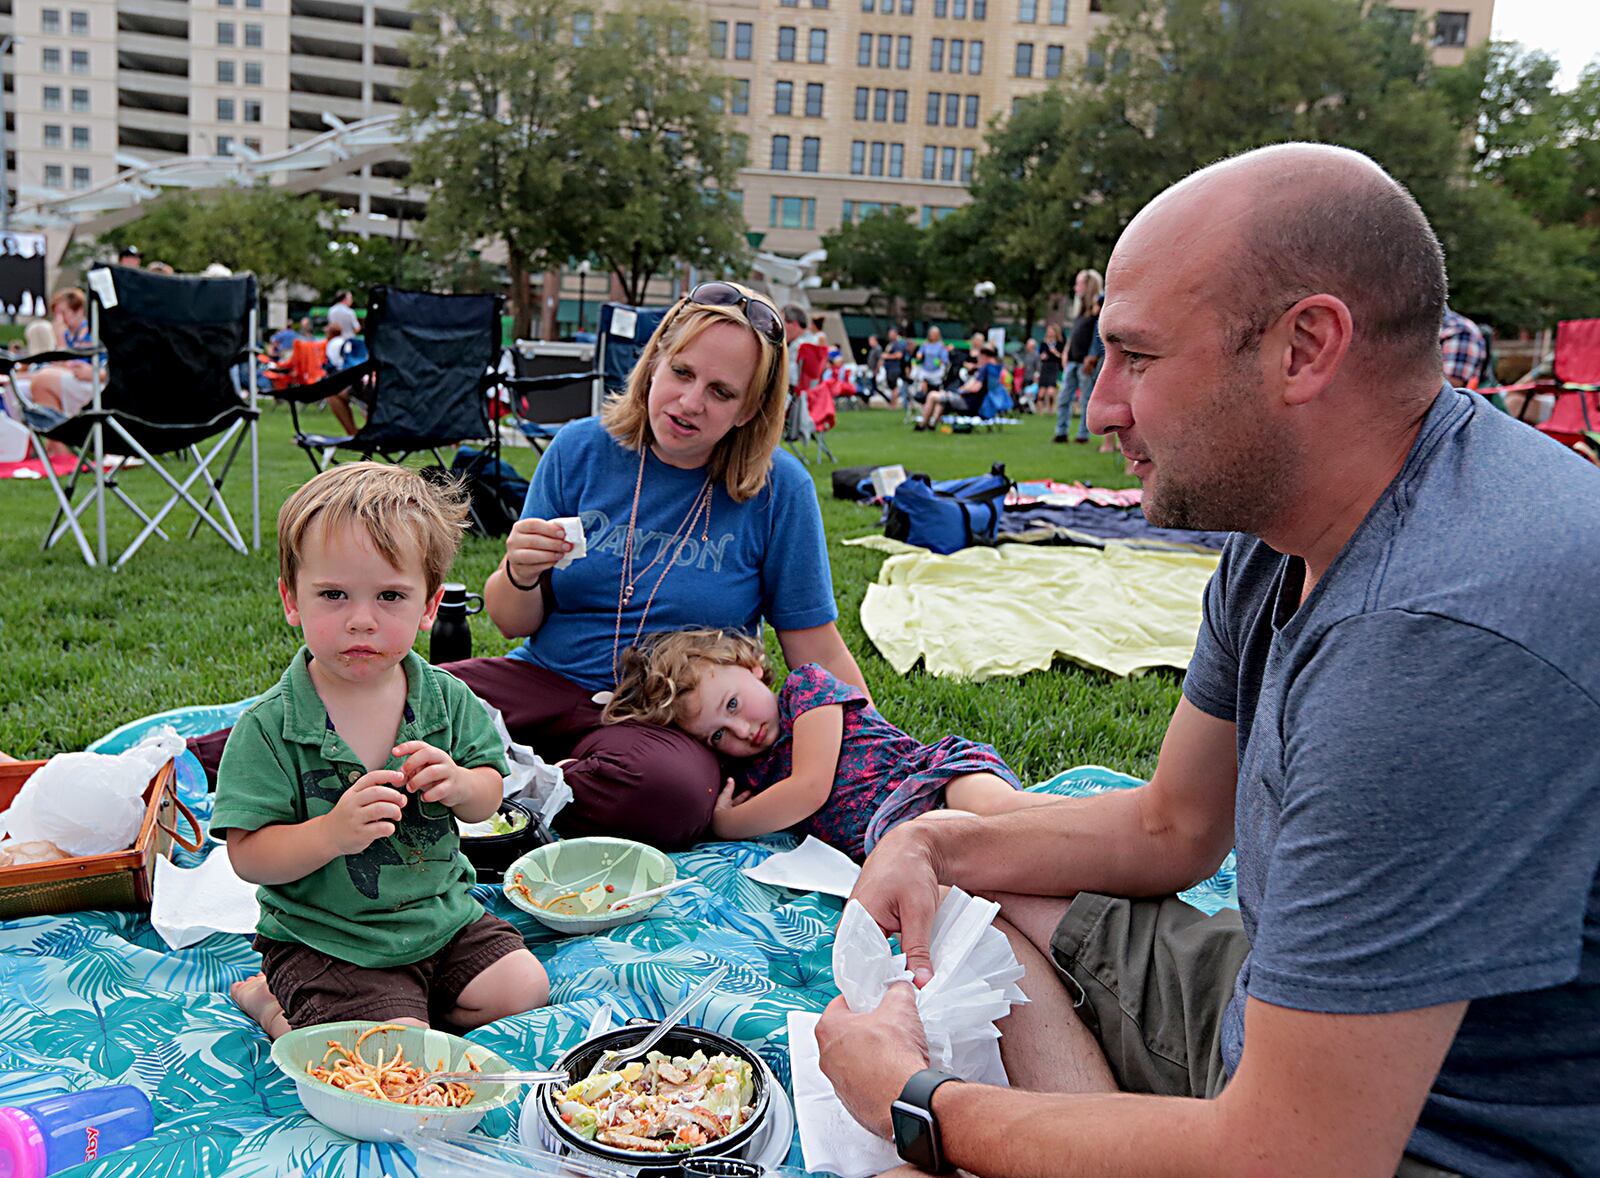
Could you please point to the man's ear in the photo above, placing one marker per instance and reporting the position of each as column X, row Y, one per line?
column 1316, row 335
column 432, row 612
column 291, row 611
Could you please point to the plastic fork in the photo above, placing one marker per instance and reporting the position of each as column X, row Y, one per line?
column 556, row 1077
column 637, row 896
column 610, row 1060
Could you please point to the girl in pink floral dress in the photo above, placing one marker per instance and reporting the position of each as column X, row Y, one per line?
column 817, row 757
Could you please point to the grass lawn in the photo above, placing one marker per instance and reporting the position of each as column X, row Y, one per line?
column 194, row 623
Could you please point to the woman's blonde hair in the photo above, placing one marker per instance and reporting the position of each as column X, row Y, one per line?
column 393, row 504
column 659, row 674
column 1084, row 304
column 742, row 459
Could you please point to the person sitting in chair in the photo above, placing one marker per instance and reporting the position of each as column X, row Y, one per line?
column 984, row 381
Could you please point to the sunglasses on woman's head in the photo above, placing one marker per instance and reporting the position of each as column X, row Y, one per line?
column 757, row 313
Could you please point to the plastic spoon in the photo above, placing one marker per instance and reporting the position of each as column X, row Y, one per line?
column 609, row 1060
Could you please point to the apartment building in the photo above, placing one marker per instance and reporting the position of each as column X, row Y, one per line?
column 847, row 104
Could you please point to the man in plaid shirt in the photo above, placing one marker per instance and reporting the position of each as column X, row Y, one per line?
column 1463, row 348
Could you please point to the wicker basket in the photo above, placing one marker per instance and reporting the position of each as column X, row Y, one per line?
column 117, row 880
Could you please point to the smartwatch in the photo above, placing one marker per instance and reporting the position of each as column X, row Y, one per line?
column 916, row 1129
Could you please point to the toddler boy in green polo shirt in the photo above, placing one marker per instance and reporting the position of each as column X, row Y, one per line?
column 340, row 788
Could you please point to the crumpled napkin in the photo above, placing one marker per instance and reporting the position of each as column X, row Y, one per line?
column 974, row 984
column 813, row 866
column 90, row 803
column 188, row 904
column 532, row 779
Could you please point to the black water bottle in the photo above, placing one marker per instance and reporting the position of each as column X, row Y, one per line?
column 451, row 638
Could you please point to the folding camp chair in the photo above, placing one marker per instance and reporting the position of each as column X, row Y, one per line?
column 620, row 340
column 799, row 429
column 170, row 345
column 1574, row 382
column 549, row 385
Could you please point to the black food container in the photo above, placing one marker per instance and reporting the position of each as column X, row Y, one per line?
column 680, row 1041
column 491, row 854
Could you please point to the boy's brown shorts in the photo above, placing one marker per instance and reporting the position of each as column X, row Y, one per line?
column 313, row 987
column 1152, row 979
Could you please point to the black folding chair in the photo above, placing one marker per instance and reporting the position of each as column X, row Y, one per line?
column 170, row 346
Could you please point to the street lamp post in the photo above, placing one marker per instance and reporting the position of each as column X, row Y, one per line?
column 583, row 278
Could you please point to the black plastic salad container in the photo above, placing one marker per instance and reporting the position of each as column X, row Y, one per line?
column 679, row 1041
column 491, row 854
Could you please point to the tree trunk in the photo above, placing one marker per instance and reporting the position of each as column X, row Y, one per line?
column 521, row 293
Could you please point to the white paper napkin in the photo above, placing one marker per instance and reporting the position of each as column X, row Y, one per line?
column 573, row 527
column 974, row 984
column 190, row 903
column 813, row 866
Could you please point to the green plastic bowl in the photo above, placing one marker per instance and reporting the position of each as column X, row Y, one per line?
column 571, row 865
column 367, row 1119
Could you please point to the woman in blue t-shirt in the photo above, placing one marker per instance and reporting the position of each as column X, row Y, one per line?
column 691, row 516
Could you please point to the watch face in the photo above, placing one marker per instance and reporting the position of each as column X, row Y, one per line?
column 913, row 1134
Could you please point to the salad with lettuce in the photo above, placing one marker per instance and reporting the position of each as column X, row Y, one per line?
column 500, row 822
column 666, row 1104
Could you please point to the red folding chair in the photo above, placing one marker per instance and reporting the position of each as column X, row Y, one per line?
column 1574, row 382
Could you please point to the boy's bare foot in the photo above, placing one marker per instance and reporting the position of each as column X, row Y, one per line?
column 252, row 996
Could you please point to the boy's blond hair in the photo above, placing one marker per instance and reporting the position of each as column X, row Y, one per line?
column 393, row 504
column 743, row 458
column 659, row 674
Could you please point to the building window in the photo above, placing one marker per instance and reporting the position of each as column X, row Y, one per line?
column 252, row 111
column 783, row 99
column 252, row 3
column 932, row 213
column 902, row 54
column 858, row 157
column 1058, row 12
column 819, row 3
column 719, row 39
column 743, row 36
column 224, row 32
column 952, row 110
column 224, row 144
column 788, row 3
column 252, row 36
column 941, row 8
column 52, row 98
column 780, row 153
column 582, row 26
column 864, row 49
column 867, row 5
column 1024, row 68
column 1053, row 57
column 885, row 50
column 975, row 58
column 253, row 144
column 813, row 100
column 971, row 117
column 81, row 178
column 52, row 135
column 863, row 98
column 79, row 23
column 810, row 153
column 1450, row 29
column 252, row 73
column 80, row 61
column 817, row 47
column 50, row 21
column 897, row 160
column 225, row 72
column 741, row 96
column 1094, row 65
column 930, row 162
column 933, row 108
column 958, row 9
column 908, row 7
column 947, row 163
column 936, row 54
column 794, row 212
column 900, row 99
column 52, row 175
column 50, row 61
column 786, row 36
column 880, row 106
column 80, row 139
column 225, row 3
column 980, row 9
column 80, row 100
column 967, row 156
column 875, row 160
column 224, row 110
column 1027, row 11
column 957, row 54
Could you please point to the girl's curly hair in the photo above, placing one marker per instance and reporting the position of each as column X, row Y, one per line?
column 659, row 673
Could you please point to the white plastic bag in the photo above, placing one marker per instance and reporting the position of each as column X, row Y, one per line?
column 90, row 803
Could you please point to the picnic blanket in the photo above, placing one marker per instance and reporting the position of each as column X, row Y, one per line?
column 983, row 612
column 1093, row 524
column 97, row 998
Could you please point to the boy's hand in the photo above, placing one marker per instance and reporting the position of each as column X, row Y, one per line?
column 366, row 812
column 433, row 773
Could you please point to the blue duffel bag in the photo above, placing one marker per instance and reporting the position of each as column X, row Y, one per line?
column 947, row 516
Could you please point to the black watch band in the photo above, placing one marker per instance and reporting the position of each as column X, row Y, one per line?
column 916, row 1129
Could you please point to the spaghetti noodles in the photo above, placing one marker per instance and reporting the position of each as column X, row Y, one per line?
column 393, row 1080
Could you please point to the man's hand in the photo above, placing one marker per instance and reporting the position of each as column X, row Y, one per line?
column 366, row 812
column 869, row 1057
column 899, row 888
column 431, row 772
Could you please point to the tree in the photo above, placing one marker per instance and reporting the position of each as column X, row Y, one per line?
column 650, row 178
column 360, row 263
column 490, row 99
column 278, row 236
column 885, row 253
